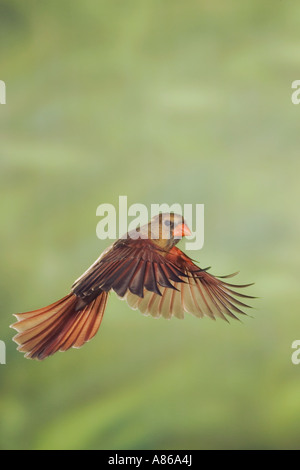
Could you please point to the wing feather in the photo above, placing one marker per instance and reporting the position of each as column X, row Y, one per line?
column 159, row 283
column 198, row 292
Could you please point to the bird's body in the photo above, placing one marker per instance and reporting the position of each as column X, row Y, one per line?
column 146, row 269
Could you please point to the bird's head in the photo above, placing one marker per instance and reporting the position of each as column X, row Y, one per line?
column 167, row 229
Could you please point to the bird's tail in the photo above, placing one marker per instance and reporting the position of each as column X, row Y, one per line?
column 59, row 326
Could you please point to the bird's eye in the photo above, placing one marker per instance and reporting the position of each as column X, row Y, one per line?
column 168, row 223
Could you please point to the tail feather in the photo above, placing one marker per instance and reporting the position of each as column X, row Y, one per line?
column 48, row 308
column 58, row 326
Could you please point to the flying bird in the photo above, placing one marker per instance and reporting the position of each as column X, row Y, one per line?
column 147, row 270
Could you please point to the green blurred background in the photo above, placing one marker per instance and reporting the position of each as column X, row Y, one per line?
column 162, row 101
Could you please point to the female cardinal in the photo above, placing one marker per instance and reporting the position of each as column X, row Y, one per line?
column 146, row 269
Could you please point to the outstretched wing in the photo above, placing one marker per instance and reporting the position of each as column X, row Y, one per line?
column 200, row 293
column 159, row 283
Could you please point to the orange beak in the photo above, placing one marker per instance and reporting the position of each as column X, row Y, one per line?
column 182, row 230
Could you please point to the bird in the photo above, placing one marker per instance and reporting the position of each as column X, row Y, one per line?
column 145, row 268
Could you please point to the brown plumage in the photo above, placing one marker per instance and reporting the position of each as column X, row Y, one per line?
column 147, row 270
